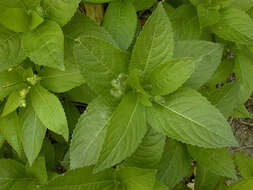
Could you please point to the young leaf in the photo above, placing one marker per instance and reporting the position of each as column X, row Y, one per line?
column 175, row 164
column 136, row 178
column 244, row 164
column 45, row 45
column 121, row 21
column 235, row 25
column 207, row 54
column 35, row 20
column 15, row 19
column 12, row 51
column 217, row 161
column 82, row 179
column 158, row 43
column 10, row 129
column 49, row 110
column 149, row 152
column 245, row 184
column 90, row 132
column 185, row 116
column 13, row 102
column 60, row 11
column 32, row 133
column 124, row 133
column 168, row 77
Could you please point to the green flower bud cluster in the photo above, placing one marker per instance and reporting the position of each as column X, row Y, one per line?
column 23, row 94
column 33, row 80
column 119, row 85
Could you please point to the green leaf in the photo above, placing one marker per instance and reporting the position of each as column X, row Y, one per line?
column 21, row 185
column 160, row 186
column 218, row 161
column 121, row 21
column 15, row 19
column 185, row 23
column 11, row 172
column 60, row 81
column 241, row 112
column 60, row 11
column 168, row 77
column 82, row 179
column 206, row 180
column 242, row 4
column 185, row 116
column 38, row 170
column 45, row 45
column 222, row 73
column 208, row 55
column 244, row 72
column 151, row 50
column 11, row 50
column 9, row 82
column 224, row 98
column 175, row 164
column 13, row 102
column 96, row 1
column 82, row 94
column 207, row 16
column 142, row 4
column 1, row 140
column 49, row 110
column 125, row 132
column 32, row 133
column 90, row 132
column 100, row 62
column 245, row 184
column 10, row 129
column 235, row 25
column 136, row 178
column 36, row 20
column 244, row 164
column 149, row 152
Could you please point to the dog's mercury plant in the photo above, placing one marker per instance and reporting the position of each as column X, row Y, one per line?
column 159, row 80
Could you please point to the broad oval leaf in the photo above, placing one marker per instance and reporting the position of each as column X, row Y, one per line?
column 185, row 116
column 90, row 132
column 45, row 45
column 174, row 165
column 235, row 25
column 244, row 164
column 12, row 103
column 49, row 110
column 32, row 133
column 168, row 77
column 121, row 22
column 60, row 11
column 154, row 45
column 124, row 133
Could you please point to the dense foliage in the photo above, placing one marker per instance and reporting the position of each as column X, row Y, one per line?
column 159, row 80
